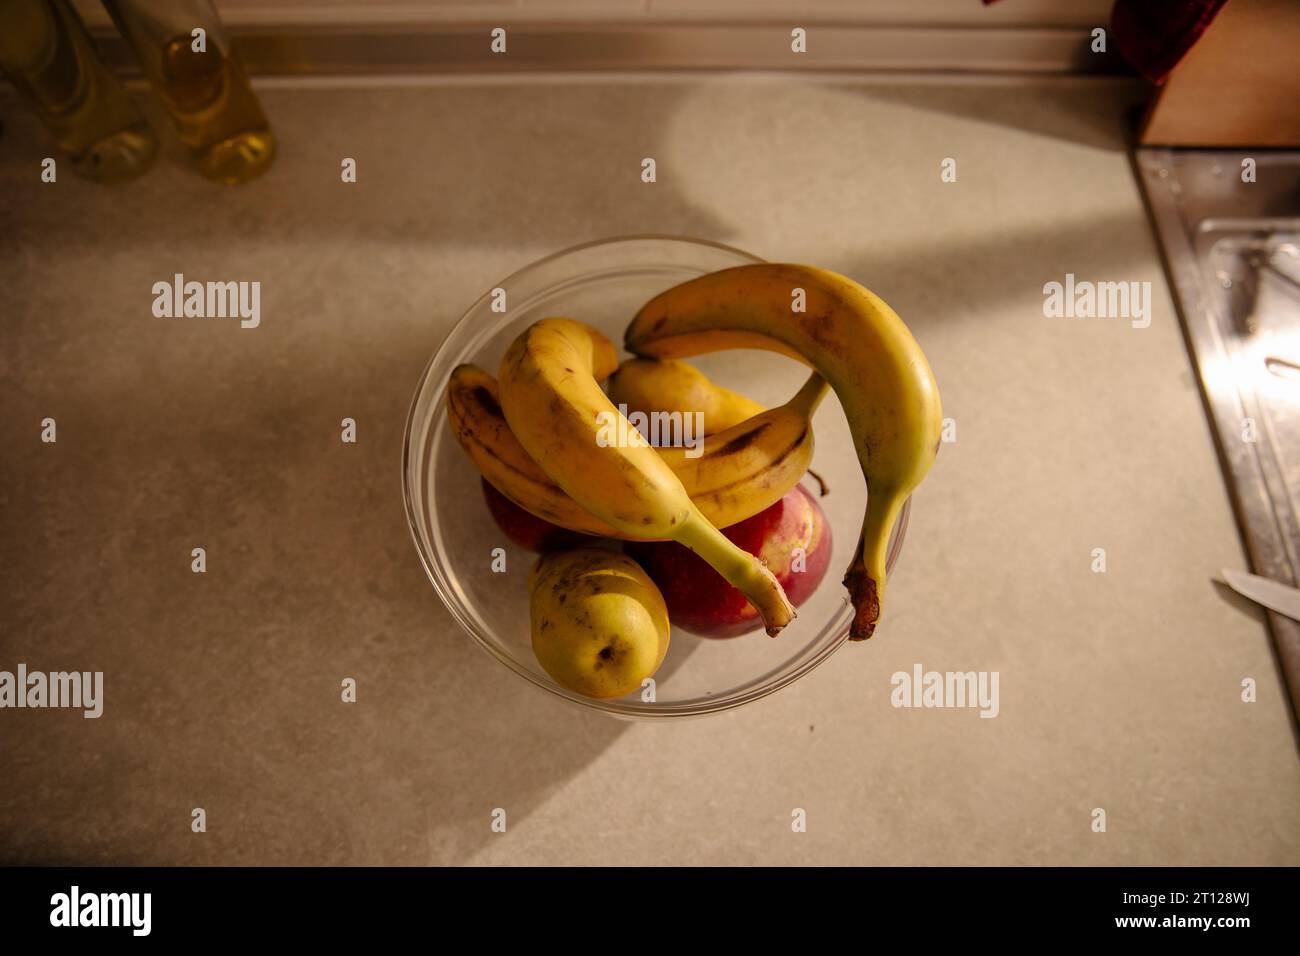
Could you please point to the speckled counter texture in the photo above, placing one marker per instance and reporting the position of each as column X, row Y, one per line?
column 1118, row 690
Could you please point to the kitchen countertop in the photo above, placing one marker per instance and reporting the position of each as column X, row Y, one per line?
column 1119, row 690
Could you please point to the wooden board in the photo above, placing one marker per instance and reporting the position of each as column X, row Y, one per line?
column 1239, row 86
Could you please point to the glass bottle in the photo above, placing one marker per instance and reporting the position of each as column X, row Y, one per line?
column 184, row 51
column 47, row 54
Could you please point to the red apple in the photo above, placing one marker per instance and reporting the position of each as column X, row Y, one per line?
column 523, row 527
column 701, row 601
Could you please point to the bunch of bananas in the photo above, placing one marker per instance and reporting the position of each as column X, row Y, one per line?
column 861, row 347
column 535, row 433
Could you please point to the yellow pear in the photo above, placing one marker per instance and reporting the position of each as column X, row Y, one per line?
column 599, row 624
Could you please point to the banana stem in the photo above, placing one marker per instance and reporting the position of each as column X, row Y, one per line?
column 865, row 578
column 741, row 569
column 809, row 396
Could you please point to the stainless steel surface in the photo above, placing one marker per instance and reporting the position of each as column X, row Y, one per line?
column 270, row 48
column 1231, row 251
column 1275, row 596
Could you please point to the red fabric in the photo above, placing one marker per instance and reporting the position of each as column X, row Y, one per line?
column 1153, row 35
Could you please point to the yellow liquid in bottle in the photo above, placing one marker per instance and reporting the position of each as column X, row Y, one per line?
column 216, row 112
column 45, row 53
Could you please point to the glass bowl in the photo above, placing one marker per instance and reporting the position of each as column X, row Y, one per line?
column 604, row 283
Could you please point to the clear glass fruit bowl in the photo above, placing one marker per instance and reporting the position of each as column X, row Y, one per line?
column 604, row 283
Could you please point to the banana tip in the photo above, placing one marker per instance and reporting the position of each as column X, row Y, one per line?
column 866, row 602
column 774, row 629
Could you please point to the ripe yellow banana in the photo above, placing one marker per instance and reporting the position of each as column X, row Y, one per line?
column 740, row 471
column 550, row 396
column 646, row 385
column 862, row 348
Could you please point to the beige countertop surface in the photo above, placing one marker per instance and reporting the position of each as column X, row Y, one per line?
column 1119, row 691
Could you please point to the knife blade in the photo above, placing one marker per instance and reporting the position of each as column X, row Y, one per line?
column 1272, row 594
